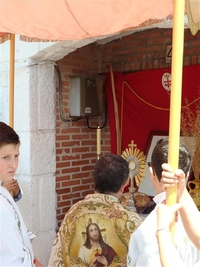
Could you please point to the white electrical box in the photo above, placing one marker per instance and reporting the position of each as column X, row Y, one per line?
column 85, row 96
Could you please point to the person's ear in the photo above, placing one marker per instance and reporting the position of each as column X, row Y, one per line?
column 151, row 171
column 152, row 174
column 122, row 187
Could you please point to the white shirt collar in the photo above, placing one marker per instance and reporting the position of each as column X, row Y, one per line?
column 159, row 198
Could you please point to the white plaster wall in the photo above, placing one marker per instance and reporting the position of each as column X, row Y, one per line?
column 34, row 121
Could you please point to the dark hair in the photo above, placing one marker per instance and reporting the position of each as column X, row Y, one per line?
column 8, row 135
column 110, row 173
column 160, row 156
column 87, row 243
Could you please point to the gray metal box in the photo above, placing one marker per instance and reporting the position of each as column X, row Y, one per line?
column 85, row 96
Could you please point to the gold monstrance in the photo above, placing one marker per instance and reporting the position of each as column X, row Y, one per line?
column 136, row 160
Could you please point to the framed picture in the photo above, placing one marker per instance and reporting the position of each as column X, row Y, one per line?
column 146, row 185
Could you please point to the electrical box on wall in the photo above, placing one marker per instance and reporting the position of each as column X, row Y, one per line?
column 85, row 96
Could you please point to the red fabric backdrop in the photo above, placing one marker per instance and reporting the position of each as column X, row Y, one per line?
column 143, row 103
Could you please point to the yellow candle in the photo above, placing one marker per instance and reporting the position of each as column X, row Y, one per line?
column 98, row 141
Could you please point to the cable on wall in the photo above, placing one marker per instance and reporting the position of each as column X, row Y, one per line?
column 105, row 122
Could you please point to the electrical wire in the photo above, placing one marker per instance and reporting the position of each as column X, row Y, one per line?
column 105, row 122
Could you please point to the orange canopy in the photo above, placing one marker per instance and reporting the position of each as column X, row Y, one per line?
column 78, row 19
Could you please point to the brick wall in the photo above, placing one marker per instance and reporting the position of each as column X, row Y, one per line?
column 147, row 50
column 75, row 142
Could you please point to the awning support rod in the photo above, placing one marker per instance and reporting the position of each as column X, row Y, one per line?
column 176, row 95
column 12, row 80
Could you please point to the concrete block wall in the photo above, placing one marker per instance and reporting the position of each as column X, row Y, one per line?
column 35, row 124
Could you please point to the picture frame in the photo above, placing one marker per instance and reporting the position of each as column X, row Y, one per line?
column 146, row 186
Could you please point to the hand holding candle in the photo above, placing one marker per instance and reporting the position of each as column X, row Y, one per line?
column 98, row 141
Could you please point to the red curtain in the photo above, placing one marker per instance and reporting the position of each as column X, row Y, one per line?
column 143, row 103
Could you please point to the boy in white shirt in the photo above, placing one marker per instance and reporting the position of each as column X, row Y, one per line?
column 143, row 247
column 15, row 246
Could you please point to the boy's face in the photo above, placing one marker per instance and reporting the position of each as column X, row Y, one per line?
column 9, row 157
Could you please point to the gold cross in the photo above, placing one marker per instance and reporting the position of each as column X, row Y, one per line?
column 132, row 145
